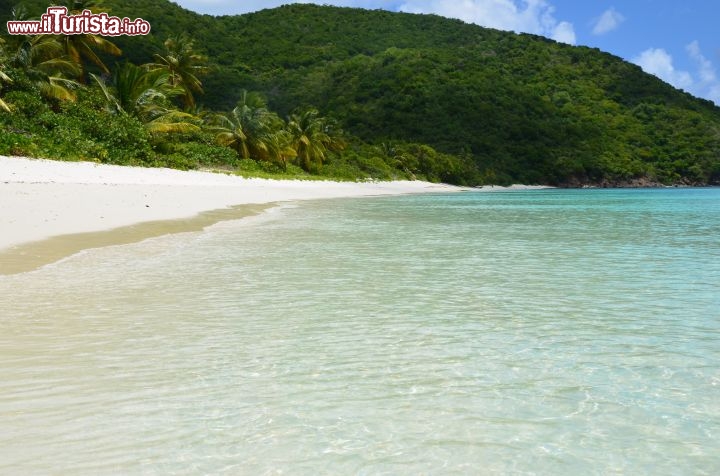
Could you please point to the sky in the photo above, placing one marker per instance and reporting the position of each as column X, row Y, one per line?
column 675, row 40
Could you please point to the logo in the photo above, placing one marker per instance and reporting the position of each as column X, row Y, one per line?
column 57, row 22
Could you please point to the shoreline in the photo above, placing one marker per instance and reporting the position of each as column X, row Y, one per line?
column 33, row 255
column 53, row 209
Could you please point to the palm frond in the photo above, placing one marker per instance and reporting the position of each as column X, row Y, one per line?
column 56, row 90
column 109, row 96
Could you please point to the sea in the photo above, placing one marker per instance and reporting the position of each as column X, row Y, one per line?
column 557, row 332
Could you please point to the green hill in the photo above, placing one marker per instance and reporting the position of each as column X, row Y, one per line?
column 521, row 108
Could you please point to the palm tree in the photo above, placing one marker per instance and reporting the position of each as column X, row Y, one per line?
column 3, row 105
column 313, row 137
column 84, row 47
column 4, row 78
column 399, row 159
column 146, row 95
column 279, row 147
column 43, row 59
column 252, row 131
column 17, row 13
column 183, row 65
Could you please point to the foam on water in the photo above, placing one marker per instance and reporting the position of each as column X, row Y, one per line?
column 541, row 332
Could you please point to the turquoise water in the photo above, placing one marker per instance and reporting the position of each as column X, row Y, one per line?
column 539, row 332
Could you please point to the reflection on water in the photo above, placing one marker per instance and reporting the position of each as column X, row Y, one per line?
column 532, row 332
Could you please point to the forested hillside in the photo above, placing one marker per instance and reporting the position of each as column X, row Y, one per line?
column 425, row 96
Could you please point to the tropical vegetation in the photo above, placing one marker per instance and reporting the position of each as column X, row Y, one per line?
column 317, row 91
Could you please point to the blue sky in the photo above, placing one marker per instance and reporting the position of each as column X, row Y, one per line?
column 675, row 40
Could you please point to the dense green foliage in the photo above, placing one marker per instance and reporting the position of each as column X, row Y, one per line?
column 417, row 96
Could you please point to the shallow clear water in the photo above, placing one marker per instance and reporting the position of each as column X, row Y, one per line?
column 543, row 332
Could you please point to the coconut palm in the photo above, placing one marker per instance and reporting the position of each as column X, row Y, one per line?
column 252, row 131
column 3, row 105
column 146, row 95
column 313, row 137
column 183, row 66
column 4, row 78
column 80, row 48
column 43, row 59
column 399, row 158
column 17, row 13
column 279, row 147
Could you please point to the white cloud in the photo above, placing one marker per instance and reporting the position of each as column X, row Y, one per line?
column 714, row 94
column 529, row 16
column 608, row 21
column 704, row 83
column 705, row 67
column 657, row 61
column 564, row 33
column 708, row 84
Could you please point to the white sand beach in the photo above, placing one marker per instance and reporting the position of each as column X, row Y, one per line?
column 40, row 199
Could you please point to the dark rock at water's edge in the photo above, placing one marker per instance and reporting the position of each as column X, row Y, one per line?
column 637, row 182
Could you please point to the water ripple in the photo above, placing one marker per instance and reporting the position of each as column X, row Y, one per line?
column 527, row 333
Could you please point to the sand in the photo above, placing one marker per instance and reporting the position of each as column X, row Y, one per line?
column 42, row 199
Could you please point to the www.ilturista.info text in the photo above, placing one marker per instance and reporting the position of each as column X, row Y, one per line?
column 57, row 22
